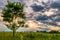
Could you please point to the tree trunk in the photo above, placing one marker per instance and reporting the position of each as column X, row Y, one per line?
column 13, row 31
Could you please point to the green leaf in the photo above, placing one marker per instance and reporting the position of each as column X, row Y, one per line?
column 10, row 5
column 12, row 10
column 21, row 23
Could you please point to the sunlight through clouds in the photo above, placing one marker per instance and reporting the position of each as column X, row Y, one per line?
column 56, row 28
column 31, row 24
column 45, row 12
column 50, row 12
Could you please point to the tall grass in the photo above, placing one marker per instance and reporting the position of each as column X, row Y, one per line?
column 29, row 36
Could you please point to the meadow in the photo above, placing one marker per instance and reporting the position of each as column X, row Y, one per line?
column 29, row 36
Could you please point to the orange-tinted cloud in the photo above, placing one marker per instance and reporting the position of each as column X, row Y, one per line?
column 54, row 28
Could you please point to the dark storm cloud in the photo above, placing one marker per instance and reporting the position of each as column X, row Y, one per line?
column 37, row 8
column 50, row 23
column 42, row 18
column 55, row 17
column 55, row 5
column 45, row 19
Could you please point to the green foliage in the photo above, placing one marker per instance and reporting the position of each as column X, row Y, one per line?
column 11, row 12
column 54, row 31
column 29, row 36
column 21, row 23
column 12, row 26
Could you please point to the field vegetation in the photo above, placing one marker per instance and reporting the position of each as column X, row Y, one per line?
column 29, row 36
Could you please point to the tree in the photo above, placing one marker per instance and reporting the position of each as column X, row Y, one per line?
column 13, row 16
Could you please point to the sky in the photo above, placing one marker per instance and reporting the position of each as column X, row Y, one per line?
column 41, row 14
column 44, row 11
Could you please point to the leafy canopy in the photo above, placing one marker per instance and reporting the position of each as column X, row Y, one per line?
column 13, row 15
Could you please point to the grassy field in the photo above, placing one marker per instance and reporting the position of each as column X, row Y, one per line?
column 29, row 36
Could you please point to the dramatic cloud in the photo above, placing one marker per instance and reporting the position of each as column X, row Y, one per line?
column 50, row 12
column 45, row 13
column 56, row 28
column 55, row 5
column 37, row 8
column 42, row 18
